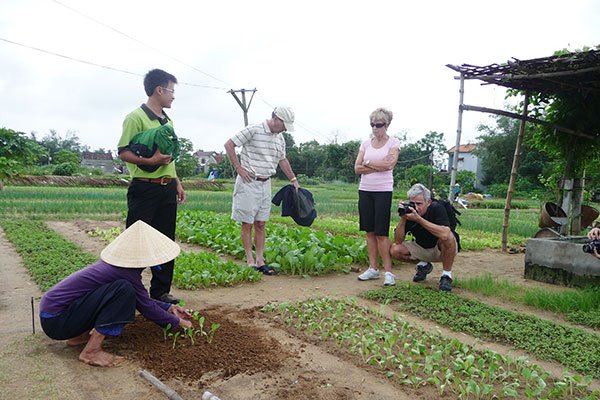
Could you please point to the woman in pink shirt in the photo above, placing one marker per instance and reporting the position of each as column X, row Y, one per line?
column 375, row 164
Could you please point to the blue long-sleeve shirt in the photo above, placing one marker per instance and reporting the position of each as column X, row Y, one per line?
column 84, row 281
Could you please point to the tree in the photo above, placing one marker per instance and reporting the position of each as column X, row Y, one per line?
column 16, row 146
column 309, row 158
column 467, row 180
column 433, row 143
column 65, row 169
column 225, row 168
column 496, row 149
column 64, row 156
column 339, row 161
column 16, row 152
column 187, row 165
column 291, row 152
column 427, row 151
column 418, row 174
column 576, row 110
column 53, row 143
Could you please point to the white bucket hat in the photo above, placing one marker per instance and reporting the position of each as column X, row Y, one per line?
column 285, row 114
column 140, row 246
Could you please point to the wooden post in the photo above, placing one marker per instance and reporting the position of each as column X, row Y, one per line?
column 567, row 204
column 513, row 174
column 577, row 199
column 458, row 133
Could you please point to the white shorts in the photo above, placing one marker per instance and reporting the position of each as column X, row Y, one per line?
column 417, row 252
column 251, row 201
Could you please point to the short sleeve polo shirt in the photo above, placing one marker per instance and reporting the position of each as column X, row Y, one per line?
column 261, row 149
column 140, row 120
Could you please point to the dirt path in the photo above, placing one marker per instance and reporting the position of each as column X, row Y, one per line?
column 314, row 372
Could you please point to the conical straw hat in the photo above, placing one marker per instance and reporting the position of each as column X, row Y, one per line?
column 140, row 246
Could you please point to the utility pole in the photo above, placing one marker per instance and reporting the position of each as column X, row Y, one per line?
column 242, row 102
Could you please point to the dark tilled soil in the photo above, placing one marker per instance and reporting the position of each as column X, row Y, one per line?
column 234, row 349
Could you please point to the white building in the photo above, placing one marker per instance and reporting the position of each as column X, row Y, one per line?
column 207, row 160
column 467, row 161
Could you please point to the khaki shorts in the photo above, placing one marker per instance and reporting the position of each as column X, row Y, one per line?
column 251, row 201
column 433, row 254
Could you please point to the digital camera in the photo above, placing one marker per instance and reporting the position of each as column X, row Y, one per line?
column 403, row 208
column 589, row 247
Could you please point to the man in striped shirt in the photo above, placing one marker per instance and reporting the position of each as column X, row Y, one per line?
column 263, row 148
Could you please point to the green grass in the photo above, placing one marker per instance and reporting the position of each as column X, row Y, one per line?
column 572, row 347
column 47, row 255
column 581, row 306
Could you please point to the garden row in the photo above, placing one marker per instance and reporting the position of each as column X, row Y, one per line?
column 581, row 306
column 419, row 358
column 50, row 258
column 571, row 347
column 292, row 250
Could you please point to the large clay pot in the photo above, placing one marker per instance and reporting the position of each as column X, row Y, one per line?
column 588, row 215
column 552, row 215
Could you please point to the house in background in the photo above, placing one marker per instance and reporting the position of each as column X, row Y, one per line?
column 467, row 161
column 207, row 159
column 103, row 161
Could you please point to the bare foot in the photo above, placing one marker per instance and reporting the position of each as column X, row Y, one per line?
column 81, row 339
column 100, row 358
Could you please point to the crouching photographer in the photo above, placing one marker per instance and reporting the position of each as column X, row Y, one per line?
column 434, row 240
column 594, row 245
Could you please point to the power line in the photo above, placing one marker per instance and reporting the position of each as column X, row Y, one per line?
column 310, row 130
column 99, row 65
column 140, row 42
column 70, row 58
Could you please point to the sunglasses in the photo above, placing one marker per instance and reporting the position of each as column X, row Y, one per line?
column 377, row 125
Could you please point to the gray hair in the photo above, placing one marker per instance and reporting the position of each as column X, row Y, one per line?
column 418, row 189
column 382, row 115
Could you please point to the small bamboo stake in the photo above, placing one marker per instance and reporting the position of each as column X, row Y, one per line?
column 32, row 316
column 513, row 175
column 170, row 393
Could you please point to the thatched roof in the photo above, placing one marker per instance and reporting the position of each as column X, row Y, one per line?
column 566, row 73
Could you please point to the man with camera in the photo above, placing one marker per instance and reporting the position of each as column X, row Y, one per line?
column 434, row 241
column 594, row 236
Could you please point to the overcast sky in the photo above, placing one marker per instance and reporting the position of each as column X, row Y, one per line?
column 333, row 62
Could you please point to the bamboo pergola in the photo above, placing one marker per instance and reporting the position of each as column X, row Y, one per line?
column 576, row 73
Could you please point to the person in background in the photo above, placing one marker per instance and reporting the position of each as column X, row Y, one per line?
column 375, row 162
column 153, row 196
column 594, row 234
column 98, row 300
column 434, row 240
column 456, row 190
column 263, row 148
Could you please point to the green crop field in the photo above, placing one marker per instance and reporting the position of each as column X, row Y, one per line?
column 401, row 352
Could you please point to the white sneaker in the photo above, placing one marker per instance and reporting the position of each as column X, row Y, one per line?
column 389, row 279
column 369, row 274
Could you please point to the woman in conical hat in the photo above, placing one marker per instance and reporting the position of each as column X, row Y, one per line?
column 100, row 299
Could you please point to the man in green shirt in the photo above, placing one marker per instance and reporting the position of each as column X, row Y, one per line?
column 153, row 196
